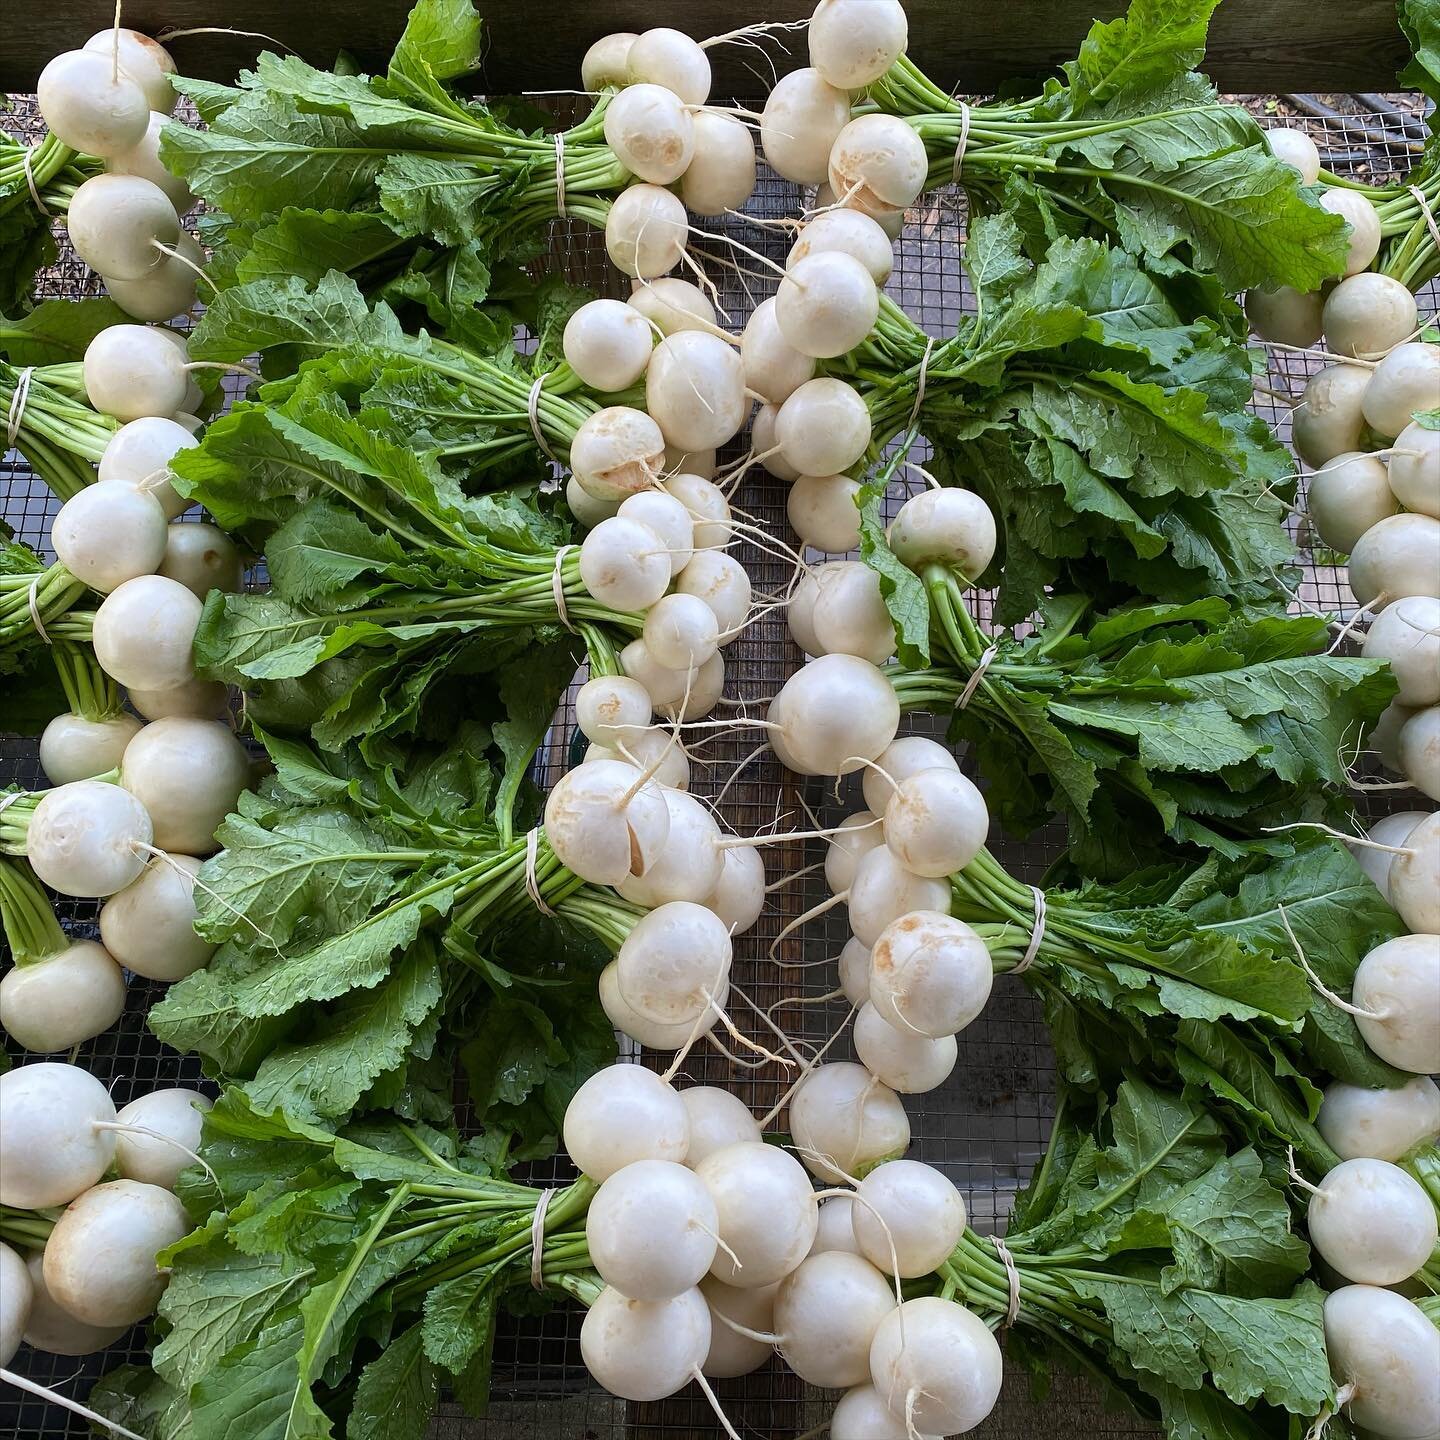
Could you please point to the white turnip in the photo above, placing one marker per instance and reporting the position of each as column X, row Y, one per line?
column 1347, row 496
column 1400, row 556
column 1397, row 989
column 1385, row 1354
column 617, row 452
column 822, row 511
column 936, row 822
column 1404, row 383
column 695, row 390
column 624, row 564
column 774, row 368
column 139, row 453
column 622, row 1114
column 607, row 61
column 646, row 231
column 852, row 232
column 823, row 428
column 930, row 974
column 1286, row 316
column 53, row 1329
column 1296, row 149
column 1418, row 751
column 74, row 748
column 188, row 774
column 1372, row 1222
column 826, row 1313
column 907, row 1214
column 667, row 57
column 650, row 1230
column 717, row 1118
column 90, row 104
column 1379, row 1124
column 832, row 715
column 908, row 1063
column 721, row 174
column 845, row 1122
column 175, row 1114
column 644, row 1350
column 147, row 62
column 1366, row 315
column 827, row 304
column 88, row 838
column 767, row 1210
column 114, row 222
column 63, row 1000
column 883, row 890
column 878, row 163
column 1364, row 223
column 52, row 1144
column 1329, row 419
column 949, row 527
column 1415, row 469
column 607, row 344
column 935, row 1364
column 802, row 119
column 651, row 132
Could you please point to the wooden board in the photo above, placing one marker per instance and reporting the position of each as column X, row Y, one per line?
column 1259, row 46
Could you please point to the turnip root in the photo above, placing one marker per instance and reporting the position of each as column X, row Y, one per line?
column 1329, row 419
column 673, row 961
column 826, row 1313
column 935, row 1363
column 739, row 895
column 667, row 57
column 1296, row 149
column 1391, row 830
column 802, row 119
column 883, row 891
column 854, row 42
column 1405, row 382
column 624, row 564
column 650, row 1230
column 17, row 1297
column 1415, row 469
column 1366, row 315
column 1286, row 316
column 203, row 699
column 1379, row 1124
column 946, row 527
column 695, row 390
column 651, row 132
column 774, row 368
column 88, row 838
column 1415, row 891
column 936, row 822
column 673, row 304
column 90, row 107
column 862, row 1413
column 733, row 1353
column 845, row 1122
column 622, row 1114
column 1396, row 558
column 853, row 966
column 763, row 443
column 74, row 748
column 1372, row 1222
column 653, row 1034
column 202, row 558
column 903, row 758
column 164, row 293
column 1419, row 751
column 721, row 173
column 1385, row 1354
column 823, row 513
column 717, row 1118
column 607, row 62
column 143, row 159
column 827, row 304
column 607, row 344
column 139, row 453
column 188, row 774
column 52, row 1146
column 605, row 817
column 1364, row 225
column 53, row 1329
column 854, row 838
column 930, row 974
column 1347, row 496
column 686, row 869
column 147, row 62
column 853, row 233
column 823, row 428
column 836, row 1230
column 114, row 222
column 100, row 1258
column 617, row 452
column 176, row 1114
column 646, row 231
column 879, row 163
column 1397, row 991
column 849, row 615
column 644, row 1350
column 908, row 1063
column 907, row 1214
column 107, row 534
column 767, row 1210
column 707, row 506
column 722, row 582
column 63, row 1000
column 833, row 715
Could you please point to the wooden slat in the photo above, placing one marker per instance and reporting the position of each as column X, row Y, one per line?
column 1260, row 46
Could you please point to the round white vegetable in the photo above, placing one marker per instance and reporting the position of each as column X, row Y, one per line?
column 892, row 222
column 202, row 558
column 646, row 231
column 1415, row 893
column 1419, row 751
column 1395, row 558
column 100, row 1258
column 935, row 1363
column 113, row 222
column 607, row 344
column 1405, row 382
column 674, row 960
column 849, row 615
column 673, row 304
column 908, row 1213
column 906, row 756
column 767, row 1209
column 90, row 107
column 669, row 519
column 802, row 119
column 936, row 822
column 845, row 1122
column 671, row 58
column 731, row 1352
column 947, row 527
column 833, row 714
column 764, row 446
column 650, row 1230
column 879, row 163
column 854, row 838
column 143, row 159
column 617, row 452
column 651, row 1033
column 1391, row 830
column 177, row 1114
column 1385, row 737
column 188, row 774
column 604, row 816
column 17, row 1296
column 706, row 505
column 827, row 304
column 607, row 61
column 666, row 686
column 1297, row 150
column 722, row 582
column 655, row 752
column 930, row 974
column 149, row 926
column 739, row 895
column 1366, row 314
column 823, row 428
column 140, row 452
column 774, row 368
column 164, row 293
column 624, row 564
column 1372, row 1222
column 74, row 748
column 1415, row 469
column 1347, row 496
column 883, row 891
column 1398, row 983
column 585, row 507
column 611, row 709
column 717, row 1118
column 681, row 631
column 51, row 1145
column 644, row 1350
column 52, row 1329
column 1382, row 1347
column 695, row 390
column 854, row 42
column 59, row 1002
column 823, row 513
column 132, row 371
column 622, row 1114
column 1364, row 224
column 851, row 232
column 836, row 1230
column 1286, row 316
column 205, row 699
column 107, row 534
column 1329, row 418
column 826, row 1313
column 651, row 132
column 721, row 173
column 909, row 1064
column 1379, row 1124
column 147, row 62
column 687, row 868
column 862, row 1413
column 88, row 838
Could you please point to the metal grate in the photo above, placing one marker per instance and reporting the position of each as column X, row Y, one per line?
column 986, row 1128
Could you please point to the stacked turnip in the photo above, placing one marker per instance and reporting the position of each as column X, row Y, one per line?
column 112, row 99
column 94, row 1274
column 717, row 1251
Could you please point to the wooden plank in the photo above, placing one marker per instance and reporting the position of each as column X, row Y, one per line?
column 1259, row 46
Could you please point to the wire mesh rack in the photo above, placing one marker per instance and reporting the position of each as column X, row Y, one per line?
column 986, row 1127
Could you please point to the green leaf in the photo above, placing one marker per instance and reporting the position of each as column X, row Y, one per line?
column 441, row 41
column 531, row 690
column 1151, row 44
column 322, row 549
column 308, row 243
column 395, row 1394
